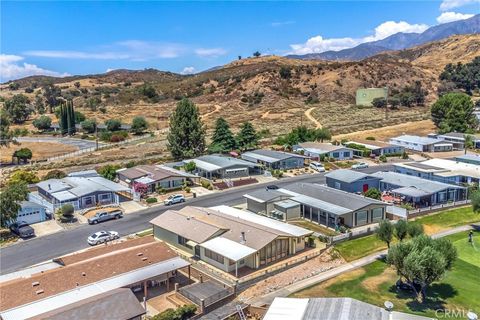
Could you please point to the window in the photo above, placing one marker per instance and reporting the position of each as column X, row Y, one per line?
column 105, row 196
column 183, row 241
column 337, row 185
column 214, row 256
column 361, row 217
column 377, row 214
column 346, row 154
column 335, row 154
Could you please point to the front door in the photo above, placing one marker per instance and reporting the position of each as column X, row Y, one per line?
column 365, row 187
column 197, row 251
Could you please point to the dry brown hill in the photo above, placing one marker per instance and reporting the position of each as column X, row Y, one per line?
column 255, row 90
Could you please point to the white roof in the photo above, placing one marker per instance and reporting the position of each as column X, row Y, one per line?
column 64, row 196
column 144, row 180
column 455, row 168
column 416, row 139
column 68, row 297
column 228, row 248
column 286, row 309
column 265, row 221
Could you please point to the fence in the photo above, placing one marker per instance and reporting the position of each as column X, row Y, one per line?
column 209, row 300
column 424, row 211
column 353, row 234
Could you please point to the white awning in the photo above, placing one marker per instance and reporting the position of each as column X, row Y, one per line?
column 228, row 248
column 191, row 243
column 286, row 309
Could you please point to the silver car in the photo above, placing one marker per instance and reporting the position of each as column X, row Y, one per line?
column 102, row 237
column 176, row 198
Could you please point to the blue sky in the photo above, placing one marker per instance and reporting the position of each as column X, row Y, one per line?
column 60, row 38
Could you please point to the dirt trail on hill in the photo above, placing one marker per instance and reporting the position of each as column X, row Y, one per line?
column 217, row 109
column 309, row 116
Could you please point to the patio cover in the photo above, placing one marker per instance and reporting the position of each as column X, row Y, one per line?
column 228, row 248
column 411, row 192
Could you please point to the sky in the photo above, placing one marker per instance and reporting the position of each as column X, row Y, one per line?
column 68, row 38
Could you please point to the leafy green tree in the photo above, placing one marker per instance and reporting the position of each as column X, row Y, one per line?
column 67, row 211
column 373, row 193
column 10, row 198
column 77, row 84
column 421, row 261
column 148, row 91
column 18, row 108
column 79, row 117
column 13, row 86
column 257, row 54
column 475, row 198
column 113, row 124
column 39, row 105
column 323, row 134
column 139, row 125
column 407, row 99
column 6, row 135
column 379, row 102
column 401, row 229
column 190, row 166
column 54, row 174
column 93, row 102
column 384, row 231
column 108, row 171
column 52, row 96
column 42, row 123
column 23, row 176
column 222, row 139
column 186, row 137
column 469, row 142
column 23, row 154
column 454, row 112
column 88, row 125
column 414, row 229
column 463, row 76
column 247, row 137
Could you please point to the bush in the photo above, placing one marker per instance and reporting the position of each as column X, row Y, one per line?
column 187, row 189
column 116, row 138
column 42, row 123
column 151, row 200
column 383, row 158
column 113, row 125
column 370, row 138
column 55, row 174
column 67, row 211
column 161, row 190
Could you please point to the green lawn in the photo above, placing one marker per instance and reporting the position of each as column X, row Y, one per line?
column 314, row 227
column 374, row 283
column 357, row 248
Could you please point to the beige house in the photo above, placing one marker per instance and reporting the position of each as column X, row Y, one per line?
column 229, row 238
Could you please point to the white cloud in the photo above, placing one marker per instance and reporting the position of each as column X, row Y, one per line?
column 452, row 16
column 188, row 70
column 210, row 53
column 451, row 4
column 135, row 50
column 12, row 67
column 281, row 23
column 319, row 44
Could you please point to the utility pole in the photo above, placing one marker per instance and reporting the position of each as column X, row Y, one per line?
column 96, row 134
column 386, row 102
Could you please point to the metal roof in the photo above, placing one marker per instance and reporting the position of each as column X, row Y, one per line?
column 264, row 195
column 405, row 180
column 286, row 309
column 318, row 147
column 468, row 157
column 230, row 249
column 415, row 139
column 216, row 162
column 287, row 204
column 455, row 168
column 271, row 155
column 84, row 173
column 347, row 175
column 265, row 221
column 412, row 192
column 30, row 204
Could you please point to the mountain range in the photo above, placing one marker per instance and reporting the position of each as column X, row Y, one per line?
column 398, row 41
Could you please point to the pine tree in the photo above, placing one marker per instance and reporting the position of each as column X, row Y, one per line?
column 222, row 140
column 247, row 138
column 186, row 137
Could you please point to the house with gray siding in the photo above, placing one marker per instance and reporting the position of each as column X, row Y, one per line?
column 263, row 201
column 228, row 238
column 272, row 159
column 154, row 176
column 351, row 180
column 421, row 144
column 221, row 167
column 377, row 148
column 317, row 150
column 81, row 191
column 32, row 212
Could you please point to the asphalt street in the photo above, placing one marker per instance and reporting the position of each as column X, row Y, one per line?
column 37, row 250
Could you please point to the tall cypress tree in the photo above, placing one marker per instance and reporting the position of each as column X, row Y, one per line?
column 63, row 119
column 247, row 138
column 71, row 117
column 222, row 139
column 186, row 137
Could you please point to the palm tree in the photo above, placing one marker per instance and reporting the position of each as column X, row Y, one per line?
column 468, row 142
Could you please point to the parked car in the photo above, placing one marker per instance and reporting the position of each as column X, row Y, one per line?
column 317, row 166
column 22, row 229
column 176, row 198
column 105, row 216
column 361, row 165
column 272, row 187
column 102, row 237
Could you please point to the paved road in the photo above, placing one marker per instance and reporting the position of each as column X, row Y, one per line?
column 79, row 143
column 37, row 250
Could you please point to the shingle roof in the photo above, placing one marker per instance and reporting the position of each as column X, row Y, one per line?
column 120, row 304
column 346, row 175
column 271, row 155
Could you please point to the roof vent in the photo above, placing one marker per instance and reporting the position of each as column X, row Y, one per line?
column 188, row 217
column 139, row 254
column 36, row 283
column 39, row 291
column 144, row 259
column 84, row 274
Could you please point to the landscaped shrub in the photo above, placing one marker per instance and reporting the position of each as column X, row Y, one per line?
column 66, row 211
column 187, row 189
column 151, row 200
column 383, row 158
column 370, row 138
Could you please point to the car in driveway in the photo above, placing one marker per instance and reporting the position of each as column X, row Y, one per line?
column 175, row 198
column 317, row 166
column 102, row 237
column 22, row 229
column 105, row 216
column 361, row 165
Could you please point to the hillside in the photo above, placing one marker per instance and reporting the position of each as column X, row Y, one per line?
column 254, row 89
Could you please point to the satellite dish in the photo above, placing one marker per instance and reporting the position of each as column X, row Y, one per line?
column 472, row 316
column 388, row 305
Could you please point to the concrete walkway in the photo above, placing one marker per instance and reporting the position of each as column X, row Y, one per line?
column 288, row 290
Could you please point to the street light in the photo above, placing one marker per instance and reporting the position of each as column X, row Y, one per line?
column 389, row 306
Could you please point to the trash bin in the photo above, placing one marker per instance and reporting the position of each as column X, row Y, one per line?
column 194, row 194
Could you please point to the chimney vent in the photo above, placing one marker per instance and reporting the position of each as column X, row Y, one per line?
column 144, row 259
column 243, row 237
column 39, row 291
column 84, row 274
column 49, row 187
column 36, row 283
column 139, row 254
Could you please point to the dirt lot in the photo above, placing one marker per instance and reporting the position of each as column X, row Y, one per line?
column 39, row 150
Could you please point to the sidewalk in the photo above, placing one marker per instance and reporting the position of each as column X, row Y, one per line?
column 290, row 289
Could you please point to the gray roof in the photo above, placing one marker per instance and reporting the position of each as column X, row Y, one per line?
column 328, row 199
column 215, row 162
column 265, row 195
column 271, row 155
column 415, row 139
column 346, row 175
column 404, row 180
column 411, row 192
column 468, row 157
column 84, row 173
column 287, row 204
column 453, row 135
column 118, row 304
column 320, row 147
column 30, row 204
